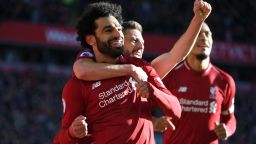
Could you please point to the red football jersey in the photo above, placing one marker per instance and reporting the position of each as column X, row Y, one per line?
column 205, row 97
column 86, row 53
column 113, row 109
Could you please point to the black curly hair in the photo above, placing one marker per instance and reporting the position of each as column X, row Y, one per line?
column 86, row 23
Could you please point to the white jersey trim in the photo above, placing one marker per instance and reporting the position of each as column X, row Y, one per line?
column 230, row 110
column 179, row 66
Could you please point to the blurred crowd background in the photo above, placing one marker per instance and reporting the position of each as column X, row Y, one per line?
column 32, row 77
column 232, row 20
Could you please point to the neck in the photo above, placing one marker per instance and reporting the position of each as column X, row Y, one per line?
column 105, row 59
column 198, row 65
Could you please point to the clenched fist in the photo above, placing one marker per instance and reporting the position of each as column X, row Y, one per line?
column 78, row 128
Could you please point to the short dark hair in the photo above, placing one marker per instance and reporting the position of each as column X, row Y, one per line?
column 132, row 25
column 86, row 23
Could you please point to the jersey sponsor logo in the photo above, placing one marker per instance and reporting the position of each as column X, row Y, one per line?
column 193, row 102
column 183, row 89
column 114, row 94
column 198, row 106
column 64, row 105
column 96, row 84
column 213, row 91
column 194, row 109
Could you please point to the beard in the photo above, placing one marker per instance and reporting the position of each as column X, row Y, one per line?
column 107, row 49
column 202, row 56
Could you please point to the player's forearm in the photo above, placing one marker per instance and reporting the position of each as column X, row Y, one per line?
column 167, row 61
column 186, row 42
column 63, row 137
column 230, row 122
column 169, row 104
column 89, row 70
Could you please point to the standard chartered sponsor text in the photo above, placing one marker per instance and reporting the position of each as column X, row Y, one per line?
column 194, row 109
column 107, row 97
column 194, row 105
column 193, row 102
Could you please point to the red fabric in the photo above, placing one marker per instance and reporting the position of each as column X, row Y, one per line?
column 114, row 110
column 203, row 97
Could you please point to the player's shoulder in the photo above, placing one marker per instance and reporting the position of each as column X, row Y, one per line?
column 179, row 69
column 223, row 74
column 138, row 61
column 86, row 53
column 177, row 73
column 73, row 82
column 179, row 66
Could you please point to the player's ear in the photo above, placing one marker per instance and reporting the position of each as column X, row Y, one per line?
column 90, row 39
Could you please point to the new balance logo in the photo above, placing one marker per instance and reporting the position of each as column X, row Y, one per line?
column 183, row 89
column 96, row 84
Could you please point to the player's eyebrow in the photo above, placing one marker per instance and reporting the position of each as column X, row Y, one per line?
column 110, row 26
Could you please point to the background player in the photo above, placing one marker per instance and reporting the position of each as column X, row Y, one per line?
column 206, row 94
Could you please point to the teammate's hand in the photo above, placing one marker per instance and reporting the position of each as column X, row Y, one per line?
column 221, row 131
column 202, row 9
column 162, row 124
column 142, row 89
column 78, row 128
column 139, row 74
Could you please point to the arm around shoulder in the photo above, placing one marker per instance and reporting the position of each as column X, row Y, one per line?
column 87, row 69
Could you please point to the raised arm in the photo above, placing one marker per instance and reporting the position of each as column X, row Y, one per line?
column 87, row 69
column 167, row 61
